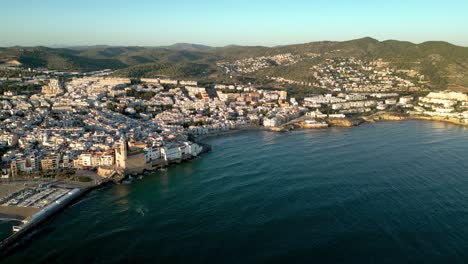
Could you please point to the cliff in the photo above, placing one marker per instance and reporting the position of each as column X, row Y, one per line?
column 343, row 122
column 308, row 125
column 385, row 116
column 452, row 120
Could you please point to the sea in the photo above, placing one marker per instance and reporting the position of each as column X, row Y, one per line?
column 391, row 192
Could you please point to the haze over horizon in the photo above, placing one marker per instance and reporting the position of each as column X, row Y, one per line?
column 208, row 46
column 214, row 23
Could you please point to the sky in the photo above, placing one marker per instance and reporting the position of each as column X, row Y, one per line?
column 222, row 22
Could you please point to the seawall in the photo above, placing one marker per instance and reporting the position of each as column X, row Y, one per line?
column 10, row 243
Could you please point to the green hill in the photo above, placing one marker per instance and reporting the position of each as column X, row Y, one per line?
column 174, row 70
column 442, row 62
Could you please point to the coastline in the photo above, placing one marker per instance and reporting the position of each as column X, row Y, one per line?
column 19, row 237
column 337, row 122
column 428, row 118
column 201, row 138
column 16, row 214
column 392, row 116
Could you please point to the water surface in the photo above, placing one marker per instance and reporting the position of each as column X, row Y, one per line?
column 384, row 192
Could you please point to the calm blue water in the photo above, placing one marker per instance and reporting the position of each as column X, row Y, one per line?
column 385, row 192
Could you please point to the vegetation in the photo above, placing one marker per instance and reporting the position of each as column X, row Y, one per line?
column 83, row 179
column 194, row 123
column 173, row 70
column 299, row 92
column 3, row 150
column 433, row 73
column 442, row 63
column 20, row 89
column 111, row 106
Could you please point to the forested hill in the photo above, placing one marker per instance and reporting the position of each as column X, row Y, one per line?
column 443, row 63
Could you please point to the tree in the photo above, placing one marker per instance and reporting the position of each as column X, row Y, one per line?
column 432, row 72
column 135, row 81
column 110, row 106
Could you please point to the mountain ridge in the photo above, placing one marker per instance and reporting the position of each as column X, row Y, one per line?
column 444, row 62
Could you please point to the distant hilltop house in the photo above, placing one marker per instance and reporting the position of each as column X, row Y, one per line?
column 10, row 93
column 169, row 81
column 10, row 64
column 447, row 95
column 191, row 83
column 13, row 63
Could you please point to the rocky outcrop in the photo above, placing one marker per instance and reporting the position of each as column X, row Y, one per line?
column 451, row 120
column 314, row 125
column 343, row 122
column 282, row 128
column 385, row 116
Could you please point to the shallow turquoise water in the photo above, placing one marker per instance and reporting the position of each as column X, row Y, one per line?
column 385, row 192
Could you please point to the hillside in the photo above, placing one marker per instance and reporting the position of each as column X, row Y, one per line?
column 443, row 63
column 188, row 46
column 174, row 70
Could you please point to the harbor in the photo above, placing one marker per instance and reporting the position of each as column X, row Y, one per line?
column 32, row 203
column 36, row 203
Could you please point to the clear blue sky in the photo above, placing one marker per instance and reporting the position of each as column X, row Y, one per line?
column 219, row 22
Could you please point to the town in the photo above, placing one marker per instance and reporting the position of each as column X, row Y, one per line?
column 125, row 126
column 71, row 131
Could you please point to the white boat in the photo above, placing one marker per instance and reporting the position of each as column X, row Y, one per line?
column 129, row 180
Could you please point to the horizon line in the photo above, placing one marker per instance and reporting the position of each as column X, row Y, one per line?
column 56, row 46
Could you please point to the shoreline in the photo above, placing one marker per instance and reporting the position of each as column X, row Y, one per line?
column 10, row 243
column 392, row 116
column 342, row 122
column 201, row 138
column 432, row 119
